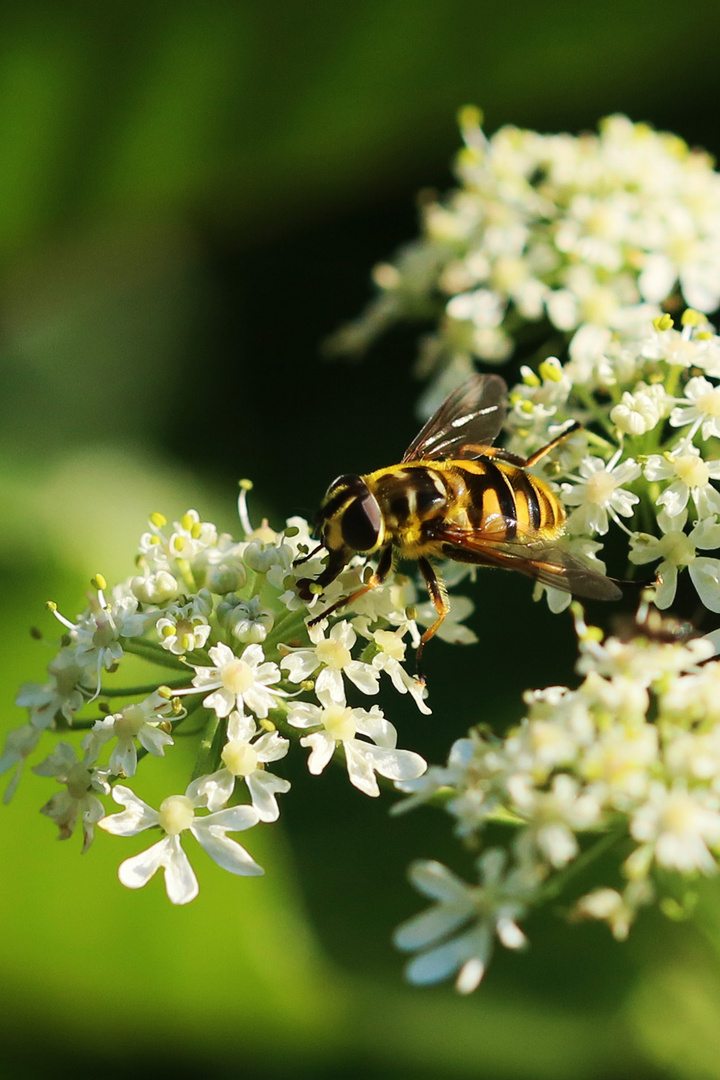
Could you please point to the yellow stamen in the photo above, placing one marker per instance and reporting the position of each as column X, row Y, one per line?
column 663, row 322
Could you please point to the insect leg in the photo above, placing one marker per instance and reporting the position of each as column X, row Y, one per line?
column 438, row 594
column 335, row 564
column 310, row 555
column 384, row 567
column 471, row 450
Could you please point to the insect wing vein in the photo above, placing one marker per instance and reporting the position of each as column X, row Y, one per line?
column 545, row 561
column 473, row 414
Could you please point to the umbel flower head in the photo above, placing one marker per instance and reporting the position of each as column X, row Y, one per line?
column 627, row 765
column 584, row 235
column 241, row 670
column 644, row 461
column 570, row 246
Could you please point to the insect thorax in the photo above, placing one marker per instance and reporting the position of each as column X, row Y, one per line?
column 410, row 494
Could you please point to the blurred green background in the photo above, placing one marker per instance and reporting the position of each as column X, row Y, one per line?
column 191, row 198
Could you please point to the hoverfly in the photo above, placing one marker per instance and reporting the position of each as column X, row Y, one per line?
column 454, row 496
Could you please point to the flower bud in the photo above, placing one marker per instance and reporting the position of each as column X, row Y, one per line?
column 245, row 620
column 155, row 588
column 260, row 558
column 220, row 578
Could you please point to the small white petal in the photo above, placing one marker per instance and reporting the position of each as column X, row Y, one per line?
column 259, row 700
column 220, row 655
column 394, row 764
column 225, row 852
column 180, row 881
column 263, row 788
column 375, row 726
column 360, row 767
column 232, row 819
column 706, row 535
column 428, row 926
column 271, row 746
column 330, row 682
column 240, row 726
column 124, row 758
column 304, row 715
column 363, row 676
column 222, row 702
column 322, row 748
column 154, row 739
column 674, row 499
column 705, row 575
column 470, row 977
column 212, row 791
column 665, row 594
column 433, row 879
column 59, row 763
column 300, row 665
column 510, row 934
column 136, row 817
column 437, row 964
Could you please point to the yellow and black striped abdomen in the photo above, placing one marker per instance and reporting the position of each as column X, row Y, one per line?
column 503, row 501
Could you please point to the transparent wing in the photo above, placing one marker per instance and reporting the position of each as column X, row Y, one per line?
column 549, row 562
column 472, row 414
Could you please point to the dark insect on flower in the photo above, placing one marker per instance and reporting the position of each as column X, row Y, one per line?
column 454, row 496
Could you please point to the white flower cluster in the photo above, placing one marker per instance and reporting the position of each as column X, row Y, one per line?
column 588, row 234
column 580, row 247
column 567, row 245
column 628, row 764
column 225, row 620
column 647, row 451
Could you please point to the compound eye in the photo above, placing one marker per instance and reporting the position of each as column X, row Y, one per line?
column 361, row 523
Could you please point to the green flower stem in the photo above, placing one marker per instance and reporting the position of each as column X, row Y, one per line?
column 597, row 440
column 654, row 444
column 249, row 588
column 440, row 798
column 277, row 717
column 61, row 724
column 559, row 882
column 188, row 576
column 208, row 757
column 135, row 691
column 595, row 411
column 194, row 704
column 154, row 653
column 673, row 378
column 200, row 657
column 287, row 626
